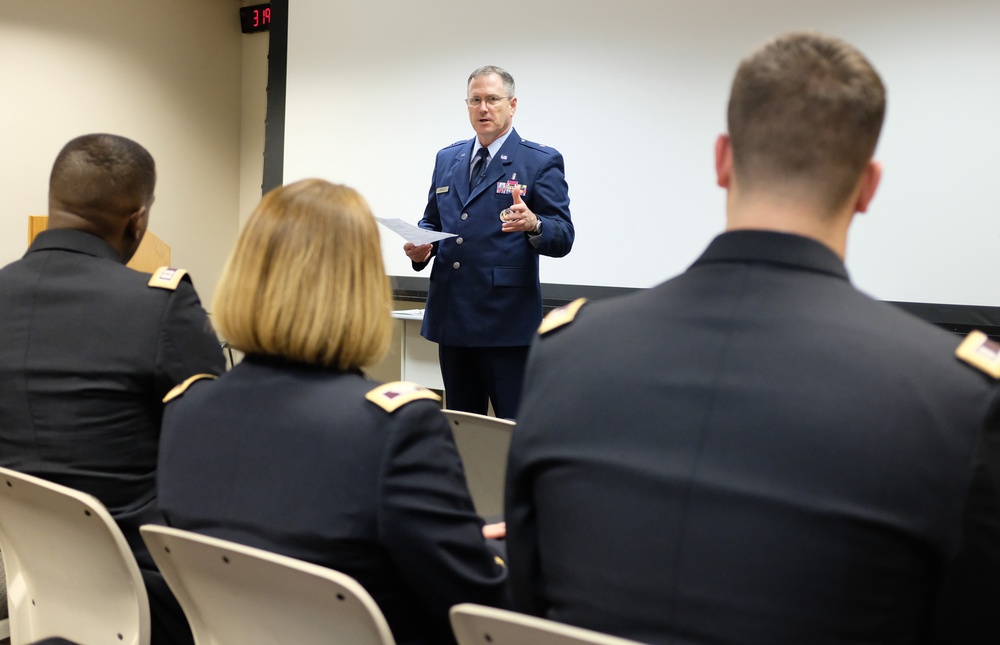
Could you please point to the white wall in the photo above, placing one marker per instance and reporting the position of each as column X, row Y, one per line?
column 169, row 75
column 633, row 93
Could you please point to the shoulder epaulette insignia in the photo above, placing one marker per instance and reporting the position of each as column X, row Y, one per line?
column 393, row 396
column 499, row 561
column 166, row 278
column 561, row 316
column 534, row 145
column 182, row 387
column 980, row 352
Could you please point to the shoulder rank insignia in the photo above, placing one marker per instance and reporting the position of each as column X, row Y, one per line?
column 166, row 278
column 980, row 352
column 182, row 387
column 541, row 147
column 395, row 395
column 561, row 316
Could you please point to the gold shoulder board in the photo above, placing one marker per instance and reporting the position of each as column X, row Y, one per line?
column 395, row 395
column 980, row 352
column 181, row 388
column 561, row 316
column 166, row 278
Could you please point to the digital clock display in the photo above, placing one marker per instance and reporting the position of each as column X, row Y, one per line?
column 256, row 17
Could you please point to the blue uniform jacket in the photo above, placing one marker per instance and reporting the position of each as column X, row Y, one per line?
column 484, row 288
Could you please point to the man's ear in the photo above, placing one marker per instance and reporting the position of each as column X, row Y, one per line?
column 723, row 160
column 135, row 225
column 137, row 221
column 867, row 186
column 131, row 236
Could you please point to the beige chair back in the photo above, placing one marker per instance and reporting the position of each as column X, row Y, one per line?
column 70, row 571
column 238, row 595
column 483, row 443
column 479, row 625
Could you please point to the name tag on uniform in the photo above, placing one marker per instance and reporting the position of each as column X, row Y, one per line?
column 442, row 189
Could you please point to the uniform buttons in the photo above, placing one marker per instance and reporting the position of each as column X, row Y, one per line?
column 459, row 240
column 465, row 216
column 456, row 265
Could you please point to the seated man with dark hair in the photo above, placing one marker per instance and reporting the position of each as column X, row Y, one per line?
column 89, row 347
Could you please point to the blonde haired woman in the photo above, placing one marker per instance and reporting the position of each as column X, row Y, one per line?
column 296, row 451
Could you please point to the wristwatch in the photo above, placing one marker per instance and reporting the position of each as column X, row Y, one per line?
column 538, row 226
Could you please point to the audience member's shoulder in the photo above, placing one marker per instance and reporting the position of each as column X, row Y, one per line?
column 181, row 388
column 946, row 357
column 390, row 397
column 169, row 279
column 124, row 283
column 903, row 330
column 615, row 314
column 980, row 352
column 561, row 317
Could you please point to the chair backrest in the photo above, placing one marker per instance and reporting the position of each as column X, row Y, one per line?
column 483, row 443
column 238, row 595
column 70, row 571
column 479, row 625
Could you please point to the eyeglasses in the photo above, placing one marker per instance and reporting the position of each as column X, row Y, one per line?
column 492, row 101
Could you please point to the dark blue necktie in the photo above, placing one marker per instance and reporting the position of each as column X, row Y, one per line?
column 479, row 168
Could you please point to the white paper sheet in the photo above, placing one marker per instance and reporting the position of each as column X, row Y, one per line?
column 412, row 233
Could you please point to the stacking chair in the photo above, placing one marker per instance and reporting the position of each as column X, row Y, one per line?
column 479, row 625
column 70, row 572
column 238, row 595
column 483, row 443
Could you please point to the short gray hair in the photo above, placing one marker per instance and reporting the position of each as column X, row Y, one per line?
column 486, row 70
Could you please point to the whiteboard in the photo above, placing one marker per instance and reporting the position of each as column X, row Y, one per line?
column 633, row 93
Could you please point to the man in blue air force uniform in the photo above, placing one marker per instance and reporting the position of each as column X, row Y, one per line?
column 507, row 202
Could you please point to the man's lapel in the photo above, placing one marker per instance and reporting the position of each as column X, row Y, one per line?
column 459, row 171
column 497, row 168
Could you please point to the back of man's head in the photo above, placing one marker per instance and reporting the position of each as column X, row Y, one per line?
column 100, row 178
column 805, row 111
